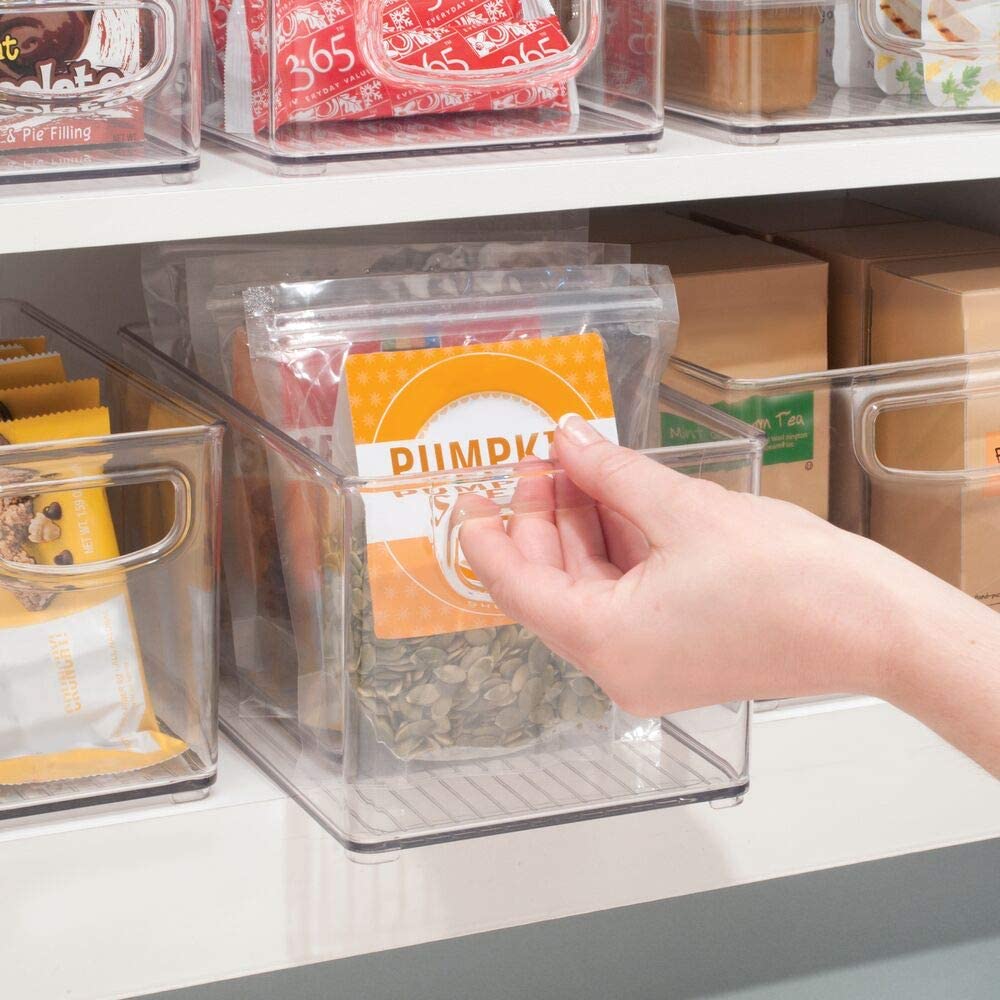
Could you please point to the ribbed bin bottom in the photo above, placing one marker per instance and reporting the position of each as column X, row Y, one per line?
column 181, row 775
column 431, row 802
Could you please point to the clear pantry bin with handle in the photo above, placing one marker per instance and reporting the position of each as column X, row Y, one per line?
column 99, row 88
column 906, row 453
column 760, row 69
column 306, row 82
column 393, row 743
column 109, row 502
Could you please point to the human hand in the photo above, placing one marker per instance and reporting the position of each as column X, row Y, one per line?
column 672, row 592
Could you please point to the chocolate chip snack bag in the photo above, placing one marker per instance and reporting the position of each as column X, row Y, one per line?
column 73, row 696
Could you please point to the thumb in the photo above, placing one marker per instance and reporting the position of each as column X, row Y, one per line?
column 641, row 490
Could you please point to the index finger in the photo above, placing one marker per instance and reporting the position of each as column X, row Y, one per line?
column 533, row 593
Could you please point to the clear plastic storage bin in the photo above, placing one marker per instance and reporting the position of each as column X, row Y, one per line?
column 763, row 68
column 394, row 743
column 99, row 88
column 911, row 452
column 108, row 688
column 304, row 82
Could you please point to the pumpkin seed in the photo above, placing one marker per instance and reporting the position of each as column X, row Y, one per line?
column 500, row 694
column 429, row 656
column 441, row 708
column 531, row 693
column 538, row 655
column 415, row 730
column 450, row 673
column 510, row 718
column 520, row 678
column 423, row 694
column 473, row 655
column 479, row 672
column 568, row 705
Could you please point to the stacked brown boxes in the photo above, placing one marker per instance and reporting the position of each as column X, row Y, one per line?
column 768, row 217
column 752, row 310
column 644, row 224
column 852, row 252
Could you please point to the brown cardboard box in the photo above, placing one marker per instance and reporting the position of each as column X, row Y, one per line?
column 770, row 216
column 755, row 312
column 851, row 253
column 925, row 309
column 644, row 224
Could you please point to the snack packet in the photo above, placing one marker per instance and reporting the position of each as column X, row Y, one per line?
column 962, row 64
column 320, row 76
column 59, row 397
column 898, row 74
column 73, row 696
column 31, row 369
column 23, row 345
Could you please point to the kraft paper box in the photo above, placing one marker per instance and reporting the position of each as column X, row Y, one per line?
column 752, row 310
column 644, row 224
column 851, row 254
column 923, row 309
column 768, row 217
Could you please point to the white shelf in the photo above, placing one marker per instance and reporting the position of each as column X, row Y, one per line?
column 155, row 898
column 230, row 197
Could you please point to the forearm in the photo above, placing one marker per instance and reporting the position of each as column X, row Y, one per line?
column 947, row 674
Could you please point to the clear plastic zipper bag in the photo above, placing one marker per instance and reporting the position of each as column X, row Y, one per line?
column 524, row 342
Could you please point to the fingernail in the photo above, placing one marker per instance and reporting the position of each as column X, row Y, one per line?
column 577, row 429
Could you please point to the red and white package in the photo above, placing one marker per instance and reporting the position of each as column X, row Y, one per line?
column 320, row 75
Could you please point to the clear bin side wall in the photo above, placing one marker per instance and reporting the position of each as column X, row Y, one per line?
column 170, row 612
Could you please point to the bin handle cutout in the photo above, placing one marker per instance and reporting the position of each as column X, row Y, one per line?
column 446, row 540
column 146, row 78
column 878, row 38
column 556, row 69
column 94, row 574
column 869, row 403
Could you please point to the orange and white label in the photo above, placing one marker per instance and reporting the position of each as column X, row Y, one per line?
column 454, row 408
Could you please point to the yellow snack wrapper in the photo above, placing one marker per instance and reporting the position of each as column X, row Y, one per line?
column 73, row 696
column 38, row 400
column 24, row 345
column 32, row 369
